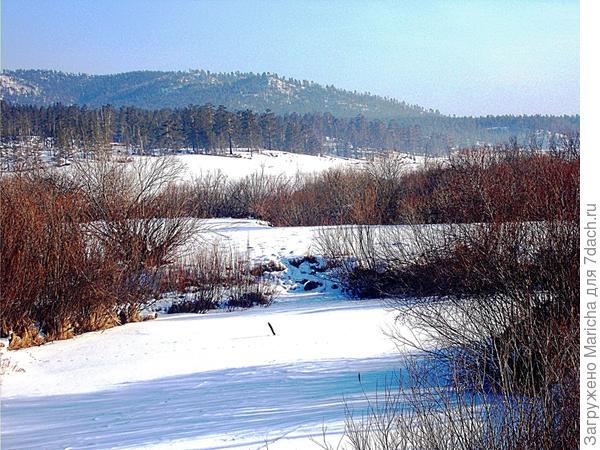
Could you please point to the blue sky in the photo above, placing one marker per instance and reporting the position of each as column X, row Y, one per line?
column 468, row 57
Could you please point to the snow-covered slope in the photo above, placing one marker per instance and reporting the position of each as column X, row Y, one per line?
column 275, row 162
column 12, row 86
column 270, row 162
column 219, row 380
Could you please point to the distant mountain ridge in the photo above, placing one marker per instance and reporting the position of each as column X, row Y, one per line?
column 235, row 90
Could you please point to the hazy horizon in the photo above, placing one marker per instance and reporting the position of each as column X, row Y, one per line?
column 464, row 58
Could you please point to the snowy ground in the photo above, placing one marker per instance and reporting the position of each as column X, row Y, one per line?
column 213, row 381
column 276, row 162
column 270, row 162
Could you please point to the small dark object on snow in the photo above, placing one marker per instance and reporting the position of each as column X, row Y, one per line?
column 271, row 327
column 359, row 377
column 310, row 285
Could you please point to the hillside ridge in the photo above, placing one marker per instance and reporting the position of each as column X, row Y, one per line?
column 235, row 90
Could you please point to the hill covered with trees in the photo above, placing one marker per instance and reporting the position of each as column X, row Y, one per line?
column 236, row 90
column 203, row 110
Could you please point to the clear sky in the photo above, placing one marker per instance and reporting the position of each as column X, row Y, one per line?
column 468, row 57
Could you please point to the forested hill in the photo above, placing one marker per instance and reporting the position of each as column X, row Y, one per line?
column 236, row 91
column 305, row 114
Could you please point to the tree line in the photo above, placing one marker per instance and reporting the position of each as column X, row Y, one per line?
column 67, row 130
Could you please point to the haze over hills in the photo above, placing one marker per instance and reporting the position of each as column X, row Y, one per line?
column 236, row 91
column 358, row 120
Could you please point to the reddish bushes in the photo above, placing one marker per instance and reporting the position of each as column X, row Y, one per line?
column 495, row 298
column 496, row 186
column 84, row 253
column 498, row 183
column 53, row 282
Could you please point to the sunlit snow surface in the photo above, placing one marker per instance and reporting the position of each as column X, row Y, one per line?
column 269, row 162
column 219, row 380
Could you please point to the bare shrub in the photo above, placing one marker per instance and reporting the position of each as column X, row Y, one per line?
column 213, row 194
column 495, row 304
column 335, row 196
column 215, row 277
column 136, row 213
column 249, row 293
column 84, row 253
column 267, row 267
column 427, row 411
column 502, row 346
column 198, row 300
column 208, row 195
column 53, row 282
column 368, row 260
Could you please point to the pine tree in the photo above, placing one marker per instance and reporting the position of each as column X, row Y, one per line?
column 268, row 126
column 224, row 127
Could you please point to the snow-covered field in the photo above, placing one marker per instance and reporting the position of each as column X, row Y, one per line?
column 219, row 380
column 276, row 162
column 270, row 162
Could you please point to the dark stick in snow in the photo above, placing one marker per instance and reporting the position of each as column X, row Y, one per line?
column 271, row 327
